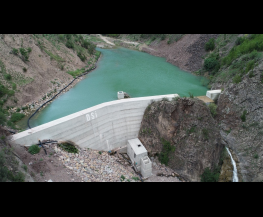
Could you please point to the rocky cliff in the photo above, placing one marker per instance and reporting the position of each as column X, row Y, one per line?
column 187, row 126
column 244, row 135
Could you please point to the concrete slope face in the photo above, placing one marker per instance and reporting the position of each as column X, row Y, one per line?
column 103, row 127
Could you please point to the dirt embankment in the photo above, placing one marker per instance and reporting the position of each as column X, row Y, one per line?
column 186, row 53
column 46, row 66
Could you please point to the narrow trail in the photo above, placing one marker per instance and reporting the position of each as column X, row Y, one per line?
column 106, row 40
column 124, row 41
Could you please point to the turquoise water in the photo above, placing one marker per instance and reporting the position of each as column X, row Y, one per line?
column 137, row 73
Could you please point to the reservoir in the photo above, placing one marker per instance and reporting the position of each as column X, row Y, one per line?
column 137, row 73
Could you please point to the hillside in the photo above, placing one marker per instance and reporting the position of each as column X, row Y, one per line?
column 33, row 67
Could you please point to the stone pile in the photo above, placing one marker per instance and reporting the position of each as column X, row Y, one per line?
column 95, row 166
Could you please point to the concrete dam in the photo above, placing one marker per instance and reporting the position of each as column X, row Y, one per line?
column 102, row 127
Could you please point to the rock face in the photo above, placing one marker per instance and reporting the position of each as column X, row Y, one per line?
column 244, row 138
column 189, row 127
column 186, row 53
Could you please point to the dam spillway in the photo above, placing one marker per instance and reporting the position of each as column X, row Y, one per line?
column 102, row 127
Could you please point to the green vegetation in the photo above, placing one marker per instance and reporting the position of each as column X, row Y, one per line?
column 135, row 178
column 8, row 77
column 256, row 156
column 165, row 99
column 34, row 149
column 249, row 44
column 237, row 79
column 210, row 176
column 77, row 72
column 16, row 117
column 213, row 107
column 210, row 45
column 191, row 95
column 122, row 178
column 166, row 151
column 68, row 148
column 191, row 130
column 205, row 133
column 25, row 167
column 24, row 52
column 231, row 57
column 243, row 116
column 15, row 51
column 175, row 98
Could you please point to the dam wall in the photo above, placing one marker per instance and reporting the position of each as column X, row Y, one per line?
column 102, row 127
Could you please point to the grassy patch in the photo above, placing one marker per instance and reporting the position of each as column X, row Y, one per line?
column 17, row 117
column 210, row 176
column 166, row 151
column 54, row 56
column 68, row 148
column 34, row 149
column 76, row 72
column 243, row 116
column 213, row 107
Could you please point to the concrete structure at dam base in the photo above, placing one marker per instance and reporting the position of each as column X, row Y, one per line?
column 102, row 127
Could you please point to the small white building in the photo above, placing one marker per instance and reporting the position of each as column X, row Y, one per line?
column 138, row 155
column 213, row 94
column 120, row 95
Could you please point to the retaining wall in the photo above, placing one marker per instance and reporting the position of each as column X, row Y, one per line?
column 102, row 127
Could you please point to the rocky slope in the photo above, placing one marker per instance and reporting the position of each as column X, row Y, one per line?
column 47, row 65
column 186, row 52
column 187, row 125
column 245, row 136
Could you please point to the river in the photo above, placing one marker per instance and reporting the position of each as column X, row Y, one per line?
column 137, row 73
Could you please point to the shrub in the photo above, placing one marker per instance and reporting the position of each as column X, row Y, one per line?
column 2, row 118
column 61, row 37
column 243, row 116
column 68, row 147
column 250, row 65
column 8, row 77
column 191, row 95
column 91, row 48
column 256, row 156
column 210, row 176
column 24, row 69
column 213, row 107
column 34, row 149
column 82, row 57
column 17, row 117
column 18, row 110
column 239, row 40
column 29, row 50
column 69, row 44
column 165, row 99
column 237, row 79
column 210, row 45
column 166, row 150
column 15, row 51
column 13, row 86
column 211, row 63
column 175, row 98
column 24, row 53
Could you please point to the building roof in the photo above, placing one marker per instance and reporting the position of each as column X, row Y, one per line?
column 137, row 146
